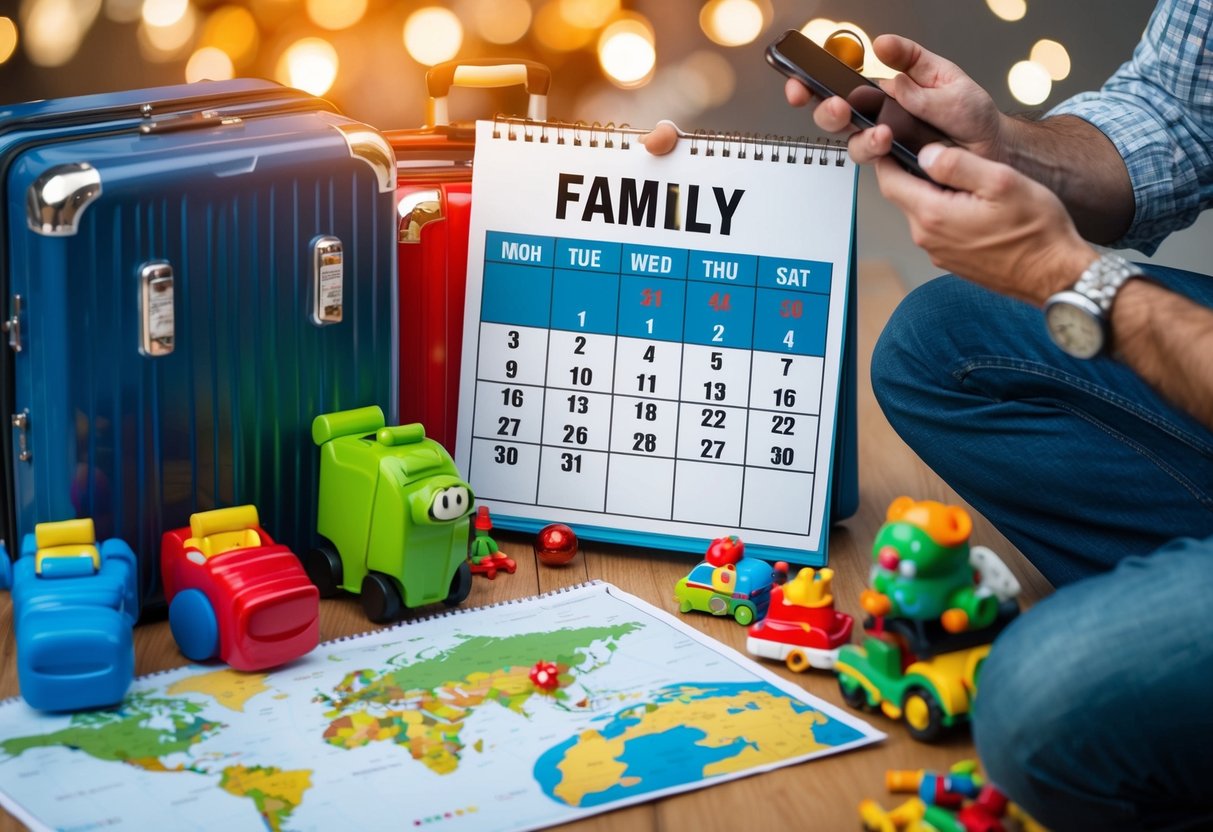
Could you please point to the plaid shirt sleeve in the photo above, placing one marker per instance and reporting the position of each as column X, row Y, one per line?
column 1158, row 111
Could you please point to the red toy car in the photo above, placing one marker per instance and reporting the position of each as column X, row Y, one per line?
column 235, row 594
column 801, row 627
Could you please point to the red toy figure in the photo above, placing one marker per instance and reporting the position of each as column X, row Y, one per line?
column 235, row 594
column 486, row 557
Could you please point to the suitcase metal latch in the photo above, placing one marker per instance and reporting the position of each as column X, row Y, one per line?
column 328, row 281
column 12, row 325
column 20, row 426
column 417, row 210
column 157, row 329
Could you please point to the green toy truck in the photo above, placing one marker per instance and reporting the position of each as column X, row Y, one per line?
column 393, row 516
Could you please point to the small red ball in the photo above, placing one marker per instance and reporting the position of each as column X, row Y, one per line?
column 555, row 545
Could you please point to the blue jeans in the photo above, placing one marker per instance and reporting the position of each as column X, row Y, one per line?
column 1083, row 467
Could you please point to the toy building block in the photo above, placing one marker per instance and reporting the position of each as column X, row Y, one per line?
column 959, row 801
column 236, row 595
column 74, row 603
column 393, row 518
column 727, row 583
column 802, row 628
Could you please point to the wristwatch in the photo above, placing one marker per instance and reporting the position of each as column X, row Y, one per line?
column 1078, row 318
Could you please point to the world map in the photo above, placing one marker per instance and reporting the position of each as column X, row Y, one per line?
column 435, row 720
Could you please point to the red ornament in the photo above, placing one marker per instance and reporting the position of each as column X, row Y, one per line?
column 555, row 545
column 725, row 550
column 545, row 676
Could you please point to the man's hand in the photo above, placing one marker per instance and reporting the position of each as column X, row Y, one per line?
column 928, row 86
column 999, row 228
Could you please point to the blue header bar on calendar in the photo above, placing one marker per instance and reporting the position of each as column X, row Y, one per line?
column 525, row 249
column 727, row 269
column 794, row 275
column 587, row 255
column 654, row 261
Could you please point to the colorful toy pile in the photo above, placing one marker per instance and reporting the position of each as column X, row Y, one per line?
column 959, row 801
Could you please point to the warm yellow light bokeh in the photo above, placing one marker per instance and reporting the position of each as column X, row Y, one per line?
column 1029, row 82
column 309, row 64
column 502, row 21
column 52, row 30
column 209, row 64
column 1009, row 10
column 588, row 14
column 1053, row 57
column 732, row 22
column 8, row 38
column 233, row 30
column 164, row 14
column 556, row 33
column 626, row 52
column 432, row 35
column 163, row 43
column 336, row 14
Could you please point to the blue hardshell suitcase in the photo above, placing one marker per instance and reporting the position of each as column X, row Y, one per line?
column 189, row 275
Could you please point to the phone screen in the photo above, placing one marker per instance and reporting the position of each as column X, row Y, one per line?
column 796, row 55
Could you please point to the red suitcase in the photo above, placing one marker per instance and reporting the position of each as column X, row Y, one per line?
column 434, row 200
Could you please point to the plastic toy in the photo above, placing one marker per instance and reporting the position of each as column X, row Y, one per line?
column 485, row 557
column 545, row 676
column 934, row 616
column 923, row 569
column 959, row 801
column 393, row 516
column 555, row 545
column 727, row 583
column 236, row 595
column 74, row 603
column 801, row 627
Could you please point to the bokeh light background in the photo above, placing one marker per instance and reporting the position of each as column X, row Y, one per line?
column 698, row 62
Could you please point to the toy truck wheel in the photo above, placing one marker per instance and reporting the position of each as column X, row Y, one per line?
column 461, row 585
column 380, row 598
column 195, row 628
column 323, row 567
column 797, row 661
column 743, row 615
column 923, row 714
column 853, row 693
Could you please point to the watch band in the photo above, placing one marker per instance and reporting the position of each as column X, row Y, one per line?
column 1103, row 278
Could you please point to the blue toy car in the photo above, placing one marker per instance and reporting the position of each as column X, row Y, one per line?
column 727, row 583
column 74, row 603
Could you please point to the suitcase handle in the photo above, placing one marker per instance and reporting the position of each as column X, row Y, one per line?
column 483, row 74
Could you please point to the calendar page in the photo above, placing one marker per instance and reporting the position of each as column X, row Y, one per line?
column 652, row 345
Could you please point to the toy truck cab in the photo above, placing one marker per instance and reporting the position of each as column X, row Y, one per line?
column 235, row 594
column 74, row 603
column 393, row 515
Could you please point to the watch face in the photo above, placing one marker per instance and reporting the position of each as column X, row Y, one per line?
column 1074, row 329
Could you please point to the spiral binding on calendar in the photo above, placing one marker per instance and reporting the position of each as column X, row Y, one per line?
column 730, row 145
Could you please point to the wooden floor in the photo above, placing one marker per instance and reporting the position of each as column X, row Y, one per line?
column 818, row 795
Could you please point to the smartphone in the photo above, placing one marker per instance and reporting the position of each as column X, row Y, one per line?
column 796, row 56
